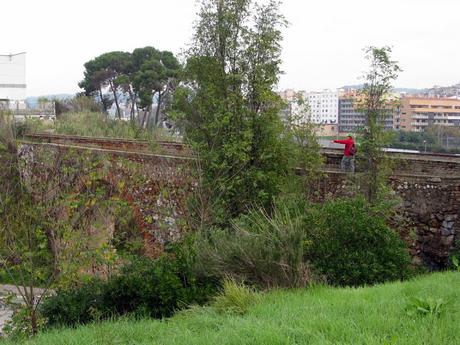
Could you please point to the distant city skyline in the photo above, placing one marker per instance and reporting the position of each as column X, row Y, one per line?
column 323, row 46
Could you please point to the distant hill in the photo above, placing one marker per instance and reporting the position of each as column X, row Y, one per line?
column 397, row 89
column 33, row 100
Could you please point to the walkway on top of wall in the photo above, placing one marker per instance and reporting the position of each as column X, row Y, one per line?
column 408, row 164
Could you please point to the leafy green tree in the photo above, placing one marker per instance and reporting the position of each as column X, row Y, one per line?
column 155, row 76
column 305, row 149
column 144, row 75
column 376, row 103
column 106, row 71
column 227, row 105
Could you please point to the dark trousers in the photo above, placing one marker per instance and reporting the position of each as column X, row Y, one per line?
column 348, row 164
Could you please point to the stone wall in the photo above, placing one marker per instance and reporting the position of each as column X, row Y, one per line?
column 432, row 208
column 428, row 215
column 157, row 187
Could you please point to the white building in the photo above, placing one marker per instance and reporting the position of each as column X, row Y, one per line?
column 13, row 77
column 324, row 106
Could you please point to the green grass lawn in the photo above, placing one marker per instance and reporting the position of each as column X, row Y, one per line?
column 319, row 315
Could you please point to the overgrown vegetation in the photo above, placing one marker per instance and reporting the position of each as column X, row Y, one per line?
column 254, row 220
column 351, row 244
column 375, row 102
column 228, row 108
column 93, row 124
column 235, row 298
column 261, row 250
column 143, row 288
column 343, row 242
column 49, row 202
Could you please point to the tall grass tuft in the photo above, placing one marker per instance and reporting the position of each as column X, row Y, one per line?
column 235, row 298
column 262, row 250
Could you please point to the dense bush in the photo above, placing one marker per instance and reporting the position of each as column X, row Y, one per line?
column 73, row 306
column 343, row 241
column 262, row 250
column 143, row 288
column 352, row 246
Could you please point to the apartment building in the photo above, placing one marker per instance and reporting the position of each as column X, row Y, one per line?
column 418, row 113
column 323, row 106
column 351, row 119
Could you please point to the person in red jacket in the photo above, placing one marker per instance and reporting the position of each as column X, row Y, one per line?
column 348, row 159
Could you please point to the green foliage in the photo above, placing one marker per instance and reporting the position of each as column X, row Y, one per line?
column 142, row 288
column 426, row 306
column 263, row 250
column 106, row 70
column 228, row 108
column 154, row 73
column 235, row 298
column 455, row 263
column 375, row 103
column 353, row 246
column 434, row 139
column 47, row 205
column 19, row 328
column 305, row 151
column 143, row 75
column 98, row 125
column 73, row 306
column 94, row 124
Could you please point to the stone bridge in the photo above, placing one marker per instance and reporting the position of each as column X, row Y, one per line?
column 427, row 184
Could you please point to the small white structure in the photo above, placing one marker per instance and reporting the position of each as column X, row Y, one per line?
column 13, row 77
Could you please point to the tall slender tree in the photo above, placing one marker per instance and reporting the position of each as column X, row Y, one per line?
column 227, row 104
column 376, row 103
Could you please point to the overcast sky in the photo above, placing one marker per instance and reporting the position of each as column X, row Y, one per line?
column 322, row 47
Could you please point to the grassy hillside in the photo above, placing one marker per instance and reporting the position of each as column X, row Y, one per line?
column 320, row 315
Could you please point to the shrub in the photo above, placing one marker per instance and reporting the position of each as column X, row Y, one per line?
column 143, row 288
column 235, row 298
column 262, row 250
column 455, row 263
column 73, row 306
column 352, row 246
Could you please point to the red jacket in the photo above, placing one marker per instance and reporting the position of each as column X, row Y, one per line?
column 348, row 144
